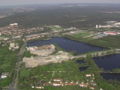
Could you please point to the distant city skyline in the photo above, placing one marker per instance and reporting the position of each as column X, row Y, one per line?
column 22, row 2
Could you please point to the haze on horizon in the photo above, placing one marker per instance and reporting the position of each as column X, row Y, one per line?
column 22, row 2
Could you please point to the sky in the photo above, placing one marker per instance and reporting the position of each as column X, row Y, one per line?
column 21, row 2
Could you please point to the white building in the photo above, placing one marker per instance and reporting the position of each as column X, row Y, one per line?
column 110, row 24
column 4, row 75
column 13, row 24
column 13, row 46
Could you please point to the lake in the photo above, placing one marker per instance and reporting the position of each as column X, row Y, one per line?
column 111, row 76
column 109, row 62
column 67, row 44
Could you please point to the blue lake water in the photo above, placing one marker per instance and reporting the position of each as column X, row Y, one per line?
column 108, row 62
column 67, row 44
column 83, row 68
column 111, row 76
column 80, row 61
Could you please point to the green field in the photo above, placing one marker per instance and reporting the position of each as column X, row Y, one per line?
column 70, row 71
column 108, row 42
column 7, row 64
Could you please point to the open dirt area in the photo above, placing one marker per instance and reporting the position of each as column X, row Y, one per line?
column 45, row 54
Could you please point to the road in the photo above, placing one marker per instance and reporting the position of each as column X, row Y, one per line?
column 98, row 53
column 13, row 85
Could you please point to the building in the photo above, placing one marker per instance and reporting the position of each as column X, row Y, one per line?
column 13, row 46
column 13, row 24
column 3, row 75
column 110, row 24
column 111, row 33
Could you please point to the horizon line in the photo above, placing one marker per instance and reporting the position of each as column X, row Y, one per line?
column 26, row 4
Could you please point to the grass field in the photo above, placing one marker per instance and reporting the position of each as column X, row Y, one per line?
column 109, row 41
column 7, row 64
